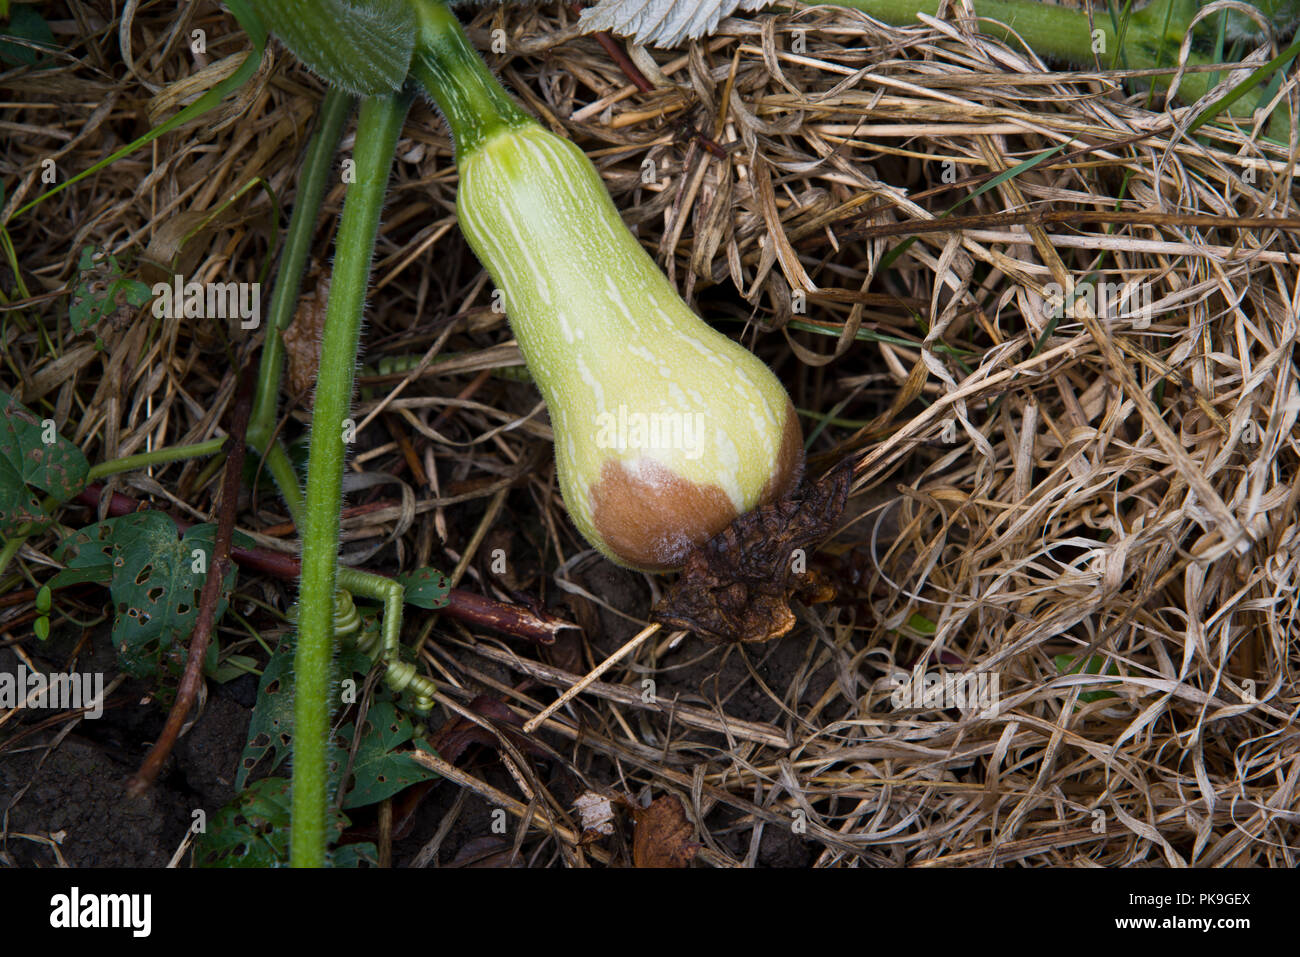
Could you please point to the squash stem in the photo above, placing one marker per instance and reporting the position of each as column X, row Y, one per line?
column 450, row 70
column 312, row 180
column 378, row 126
column 1152, row 34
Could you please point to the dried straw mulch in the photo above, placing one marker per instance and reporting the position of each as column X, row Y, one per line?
column 1094, row 487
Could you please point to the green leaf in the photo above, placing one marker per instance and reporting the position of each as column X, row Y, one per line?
column 1068, row 665
column 56, row 467
column 155, row 582
column 425, row 588
column 921, row 625
column 271, row 729
column 232, row 667
column 379, row 770
column 270, row 732
column 102, row 289
column 250, row 831
column 98, row 574
column 27, row 24
column 353, row 855
column 361, row 46
column 253, row 831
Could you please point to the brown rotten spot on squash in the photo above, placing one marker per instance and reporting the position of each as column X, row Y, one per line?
column 651, row 518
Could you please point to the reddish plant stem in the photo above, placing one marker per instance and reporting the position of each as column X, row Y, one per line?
column 618, row 55
column 287, row 528
column 462, row 605
column 475, row 609
column 19, row 597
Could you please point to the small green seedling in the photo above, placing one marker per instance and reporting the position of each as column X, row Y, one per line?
column 102, row 289
column 43, row 602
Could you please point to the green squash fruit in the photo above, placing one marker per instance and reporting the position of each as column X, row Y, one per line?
column 665, row 429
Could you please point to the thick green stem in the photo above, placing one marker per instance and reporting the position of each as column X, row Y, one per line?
column 1067, row 34
column 378, row 127
column 1059, row 31
column 312, row 180
column 450, row 70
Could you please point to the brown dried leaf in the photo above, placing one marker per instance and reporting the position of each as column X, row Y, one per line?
column 738, row 585
column 486, row 852
column 566, row 651
column 663, row 835
column 302, row 341
column 177, row 245
column 454, row 737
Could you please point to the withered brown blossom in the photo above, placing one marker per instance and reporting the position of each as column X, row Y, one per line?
column 738, row 585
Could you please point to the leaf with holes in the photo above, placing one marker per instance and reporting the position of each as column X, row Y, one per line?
column 102, row 289
column 425, row 588
column 33, row 455
column 271, row 728
column 379, row 770
column 270, row 732
column 253, row 831
column 89, row 555
column 155, row 580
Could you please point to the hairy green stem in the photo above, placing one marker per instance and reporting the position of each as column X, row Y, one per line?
column 1068, row 34
column 378, row 127
column 312, row 180
column 143, row 460
column 1059, row 31
column 285, row 477
column 450, row 70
